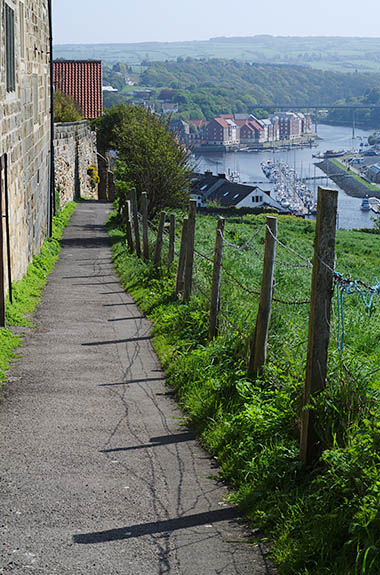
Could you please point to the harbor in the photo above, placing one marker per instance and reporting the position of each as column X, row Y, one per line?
column 249, row 168
column 289, row 189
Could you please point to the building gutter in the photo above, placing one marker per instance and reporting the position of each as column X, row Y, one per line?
column 52, row 207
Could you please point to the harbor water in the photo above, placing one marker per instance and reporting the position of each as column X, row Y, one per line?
column 248, row 165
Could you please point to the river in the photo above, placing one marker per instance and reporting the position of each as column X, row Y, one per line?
column 331, row 138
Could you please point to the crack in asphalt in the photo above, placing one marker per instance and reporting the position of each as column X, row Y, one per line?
column 108, row 481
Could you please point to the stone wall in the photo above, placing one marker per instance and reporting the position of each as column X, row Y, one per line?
column 25, row 128
column 74, row 151
column 349, row 184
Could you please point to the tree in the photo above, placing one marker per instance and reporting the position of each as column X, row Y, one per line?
column 150, row 158
column 65, row 109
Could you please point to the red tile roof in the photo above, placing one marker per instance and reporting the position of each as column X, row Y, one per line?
column 82, row 80
column 256, row 125
column 222, row 122
column 241, row 123
column 251, row 124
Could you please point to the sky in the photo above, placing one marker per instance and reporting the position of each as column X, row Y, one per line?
column 125, row 21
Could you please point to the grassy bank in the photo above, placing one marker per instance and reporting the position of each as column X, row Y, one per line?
column 325, row 521
column 27, row 292
column 371, row 187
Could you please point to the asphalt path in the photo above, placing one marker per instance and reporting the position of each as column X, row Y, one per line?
column 98, row 474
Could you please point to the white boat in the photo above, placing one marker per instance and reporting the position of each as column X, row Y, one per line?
column 233, row 176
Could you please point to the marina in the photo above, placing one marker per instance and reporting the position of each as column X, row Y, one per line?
column 289, row 189
column 249, row 168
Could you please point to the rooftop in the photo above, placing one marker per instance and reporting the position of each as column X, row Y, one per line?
column 82, row 80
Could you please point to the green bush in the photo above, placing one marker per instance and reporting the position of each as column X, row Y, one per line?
column 65, row 109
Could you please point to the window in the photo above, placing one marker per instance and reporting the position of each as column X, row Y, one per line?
column 22, row 30
column 10, row 48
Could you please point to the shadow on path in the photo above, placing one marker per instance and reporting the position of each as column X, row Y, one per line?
column 155, row 442
column 115, row 341
column 141, row 529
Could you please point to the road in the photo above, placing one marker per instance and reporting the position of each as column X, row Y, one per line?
column 98, row 475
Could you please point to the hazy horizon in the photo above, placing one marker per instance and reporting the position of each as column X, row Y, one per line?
column 212, row 38
column 130, row 22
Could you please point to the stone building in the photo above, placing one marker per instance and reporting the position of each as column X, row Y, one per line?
column 25, row 128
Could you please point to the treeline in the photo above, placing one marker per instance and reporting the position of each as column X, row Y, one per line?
column 205, row 88
column 365, row 117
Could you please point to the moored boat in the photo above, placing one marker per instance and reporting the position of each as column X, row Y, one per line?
column 365, row 207
column 329, row 154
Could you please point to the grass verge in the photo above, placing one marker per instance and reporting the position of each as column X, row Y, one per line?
column 324, row 521
column 27, row 292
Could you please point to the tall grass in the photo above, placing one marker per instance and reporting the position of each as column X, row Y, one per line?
column 27, row 292
column 322, row 521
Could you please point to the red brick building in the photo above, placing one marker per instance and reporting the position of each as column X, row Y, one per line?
column 251, row 132
column 221, row 131
column 82, row 80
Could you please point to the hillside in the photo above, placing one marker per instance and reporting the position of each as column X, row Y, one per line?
column 327, row 53
column 209, row 87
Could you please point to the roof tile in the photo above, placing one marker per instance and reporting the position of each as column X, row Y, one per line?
column 82, row 80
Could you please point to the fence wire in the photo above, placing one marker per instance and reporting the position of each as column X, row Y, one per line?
column 344, row 285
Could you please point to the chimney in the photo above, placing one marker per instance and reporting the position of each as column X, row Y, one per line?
column 222, row 176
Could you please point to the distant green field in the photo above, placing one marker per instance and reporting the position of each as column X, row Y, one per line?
column 327, row 53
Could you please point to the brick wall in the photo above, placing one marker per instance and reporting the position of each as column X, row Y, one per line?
column 75, row 150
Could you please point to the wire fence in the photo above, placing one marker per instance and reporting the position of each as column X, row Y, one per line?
column 242, row 279
column 202, row 275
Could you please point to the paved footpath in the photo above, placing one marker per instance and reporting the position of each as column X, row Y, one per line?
column 97, row 475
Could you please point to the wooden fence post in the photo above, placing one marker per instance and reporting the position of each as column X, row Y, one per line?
column 128, row 227
column 136, row 221
column 189, row 260
column 182, row 257
column 171, row 239
column 319, row 321
column 258, row 349
column 215, row 288
column 158, row 248
column 144, row 212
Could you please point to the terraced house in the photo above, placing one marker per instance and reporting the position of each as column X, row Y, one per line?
column 25, row 138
